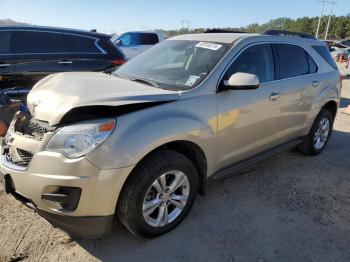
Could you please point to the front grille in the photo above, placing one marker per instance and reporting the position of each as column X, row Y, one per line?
column 24, row 158
column 23, row 125
column 26, row 125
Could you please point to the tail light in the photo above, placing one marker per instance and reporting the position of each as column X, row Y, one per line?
column 118, row 62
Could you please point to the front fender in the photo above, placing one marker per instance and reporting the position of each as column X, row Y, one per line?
column 139, row 133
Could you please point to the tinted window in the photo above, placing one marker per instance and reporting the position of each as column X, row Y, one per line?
column 5, row 37
column 312, row 65
column 80, row 44
column 257, row 60
column 346, row 42
column 148, row 39
column 36, row 42
column 292, row 61
column 324, row 52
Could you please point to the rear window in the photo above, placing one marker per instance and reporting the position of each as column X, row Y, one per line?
column 5, row 37
column 148, row 39
column 324, row 52
column 36, row 42
column 293, row 61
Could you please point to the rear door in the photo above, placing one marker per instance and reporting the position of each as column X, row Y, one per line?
column 298, row 81
column 38, row 53
column 6, row 61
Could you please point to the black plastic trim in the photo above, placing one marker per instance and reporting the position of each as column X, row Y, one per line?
column 88, row 226
column 240, row 166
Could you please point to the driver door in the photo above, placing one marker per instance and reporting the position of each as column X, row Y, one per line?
column 249, row 121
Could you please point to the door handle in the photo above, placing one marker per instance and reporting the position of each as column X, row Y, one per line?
column 65, row 62
column 4, row 65
column 315, row 83
column 274, row 96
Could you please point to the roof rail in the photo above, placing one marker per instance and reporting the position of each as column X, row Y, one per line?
column 288, row 33
column 218, row 30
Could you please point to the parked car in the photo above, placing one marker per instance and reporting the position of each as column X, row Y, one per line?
column 29, row 53
column 337, row 49
column 345, row 42
column 134, row 43
column 190, row 110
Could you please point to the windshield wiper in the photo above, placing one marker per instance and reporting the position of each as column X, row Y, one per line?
column 145, row 81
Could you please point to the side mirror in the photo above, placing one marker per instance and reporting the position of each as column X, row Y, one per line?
column 118, row 42
column 241, row 81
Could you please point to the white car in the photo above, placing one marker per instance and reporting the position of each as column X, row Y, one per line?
column 136, row 42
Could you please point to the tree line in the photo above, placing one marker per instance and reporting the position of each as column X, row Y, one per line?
column 339, row 27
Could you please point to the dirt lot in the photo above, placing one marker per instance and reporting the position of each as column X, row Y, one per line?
column 289, row 208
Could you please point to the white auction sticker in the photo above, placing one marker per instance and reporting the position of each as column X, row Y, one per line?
column 208, row 45
column 191, row 80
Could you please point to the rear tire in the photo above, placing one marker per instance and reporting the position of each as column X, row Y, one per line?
column 151, row 204
column 317, row 139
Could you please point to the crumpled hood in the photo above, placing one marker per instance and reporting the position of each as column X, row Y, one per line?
column 55, row 95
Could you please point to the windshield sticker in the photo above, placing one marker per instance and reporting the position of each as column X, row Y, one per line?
column 191, row 80
column 207, row 45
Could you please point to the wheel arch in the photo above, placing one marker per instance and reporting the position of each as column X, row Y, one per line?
column 332, row 107
column 187, row 148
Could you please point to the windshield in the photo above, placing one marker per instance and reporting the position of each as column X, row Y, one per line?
column 174, row 64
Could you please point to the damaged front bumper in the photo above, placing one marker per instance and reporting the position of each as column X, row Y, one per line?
column 71, row 194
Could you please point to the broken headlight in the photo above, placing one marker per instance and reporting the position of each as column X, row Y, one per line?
column 78, row 140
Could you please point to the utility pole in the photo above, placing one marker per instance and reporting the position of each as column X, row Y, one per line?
column 320, row 22
column 182, row 24
column 188, row 25
column 329, row 19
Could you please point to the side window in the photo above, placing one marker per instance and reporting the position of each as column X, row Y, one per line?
column 258, row 60
column 312, row 65
column 80, row 44
column 292, row 61
column 148, row 39
column 129, row 39
column 36, row 42
column 5, row 37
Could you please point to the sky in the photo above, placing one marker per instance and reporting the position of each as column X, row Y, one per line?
column 110, row 16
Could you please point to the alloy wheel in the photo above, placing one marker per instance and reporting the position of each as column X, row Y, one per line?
column 322, row 132
column 166, row 198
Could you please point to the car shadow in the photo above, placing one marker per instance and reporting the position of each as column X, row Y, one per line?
column 344, row 102
column 290, row 207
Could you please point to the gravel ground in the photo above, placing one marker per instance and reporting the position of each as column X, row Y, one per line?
column 288, row 208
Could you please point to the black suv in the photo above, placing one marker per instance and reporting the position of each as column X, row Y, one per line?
column 29, row 53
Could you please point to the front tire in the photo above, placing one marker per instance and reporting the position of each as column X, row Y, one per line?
column 318, row 137
column 159, row 194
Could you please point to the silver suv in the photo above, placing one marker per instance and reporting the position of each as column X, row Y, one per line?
column 144, row 141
